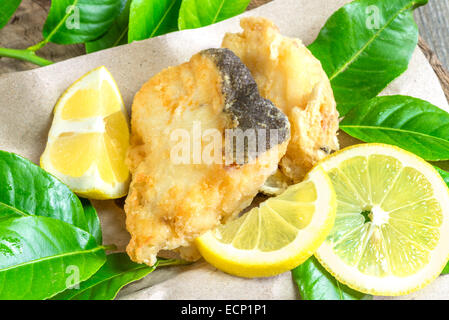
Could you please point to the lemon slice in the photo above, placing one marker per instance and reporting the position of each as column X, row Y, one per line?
column 276, row 236
column 89, row 138
column 391, row 232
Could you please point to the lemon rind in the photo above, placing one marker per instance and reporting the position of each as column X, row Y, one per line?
column 254, row 263
column 402, row 285
column 90, row 184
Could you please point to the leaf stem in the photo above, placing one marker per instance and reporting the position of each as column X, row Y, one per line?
column 26, row 55
column 37, row 46
column 110, row 247
column 171, row 262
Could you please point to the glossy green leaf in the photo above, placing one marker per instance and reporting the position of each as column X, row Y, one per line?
column 364, row 46
column 7, row 9
column 8, row 211
column 150, row 18
column 117, row 272
column 40, row 257
column 92, row 220
column 117, row 33
column 77, row 21
column 199, row 13
column 409, row 123
column 445, row 175
column 445, row 270
column 315, row 283
column 31, row 191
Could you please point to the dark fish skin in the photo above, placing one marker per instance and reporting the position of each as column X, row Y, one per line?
column 243, row 103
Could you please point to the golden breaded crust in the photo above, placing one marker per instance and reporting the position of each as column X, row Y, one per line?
column 290, row 76
column 169, row 204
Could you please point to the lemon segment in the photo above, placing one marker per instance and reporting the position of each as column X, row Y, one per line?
column 276, row 236
column 89, row 138
column 391, row 231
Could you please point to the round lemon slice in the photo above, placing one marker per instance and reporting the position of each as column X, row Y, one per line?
column 391, row 232
column 276, row 236
column 89, row 138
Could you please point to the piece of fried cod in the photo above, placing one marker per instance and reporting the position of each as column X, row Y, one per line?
column 293, row 79
column 172, row 201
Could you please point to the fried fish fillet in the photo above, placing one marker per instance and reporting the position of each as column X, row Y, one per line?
column 289, row 75
column 172, row 201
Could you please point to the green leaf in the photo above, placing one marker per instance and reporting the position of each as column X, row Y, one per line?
column 29, row 190
column 198, row 13
column 92, row 220
column 150, row 18
column 445, row 270
column 117, row 272
column 8, row 211
column 364, row 46
column 445, row 175
column 117, row 33
column 409, row 123
column 7, row 9
column 77, row 21
column 315, row 283
column 40, row 257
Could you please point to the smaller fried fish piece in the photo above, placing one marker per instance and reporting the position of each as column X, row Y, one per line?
column 288, row 74
column 170, row 203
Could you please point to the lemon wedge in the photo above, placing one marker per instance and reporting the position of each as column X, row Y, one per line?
column 276, row 236
column 89, row 138
column 391, row 232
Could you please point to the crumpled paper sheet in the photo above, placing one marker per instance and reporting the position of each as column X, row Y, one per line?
column 27, row 99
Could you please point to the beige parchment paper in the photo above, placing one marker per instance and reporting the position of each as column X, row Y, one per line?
column 27, row 100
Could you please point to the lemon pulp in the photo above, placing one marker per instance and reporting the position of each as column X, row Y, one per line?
column 391, row 223
column 89, row 138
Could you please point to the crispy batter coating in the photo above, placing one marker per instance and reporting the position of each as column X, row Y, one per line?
column 170, row 204
column 290, row 76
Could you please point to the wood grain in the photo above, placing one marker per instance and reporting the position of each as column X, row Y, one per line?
column 25, row 29
column 441, row 72
column 257, row 3
column 433, row 22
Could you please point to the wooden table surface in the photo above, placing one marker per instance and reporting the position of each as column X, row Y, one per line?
column 433, row 21
column 24, row 30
